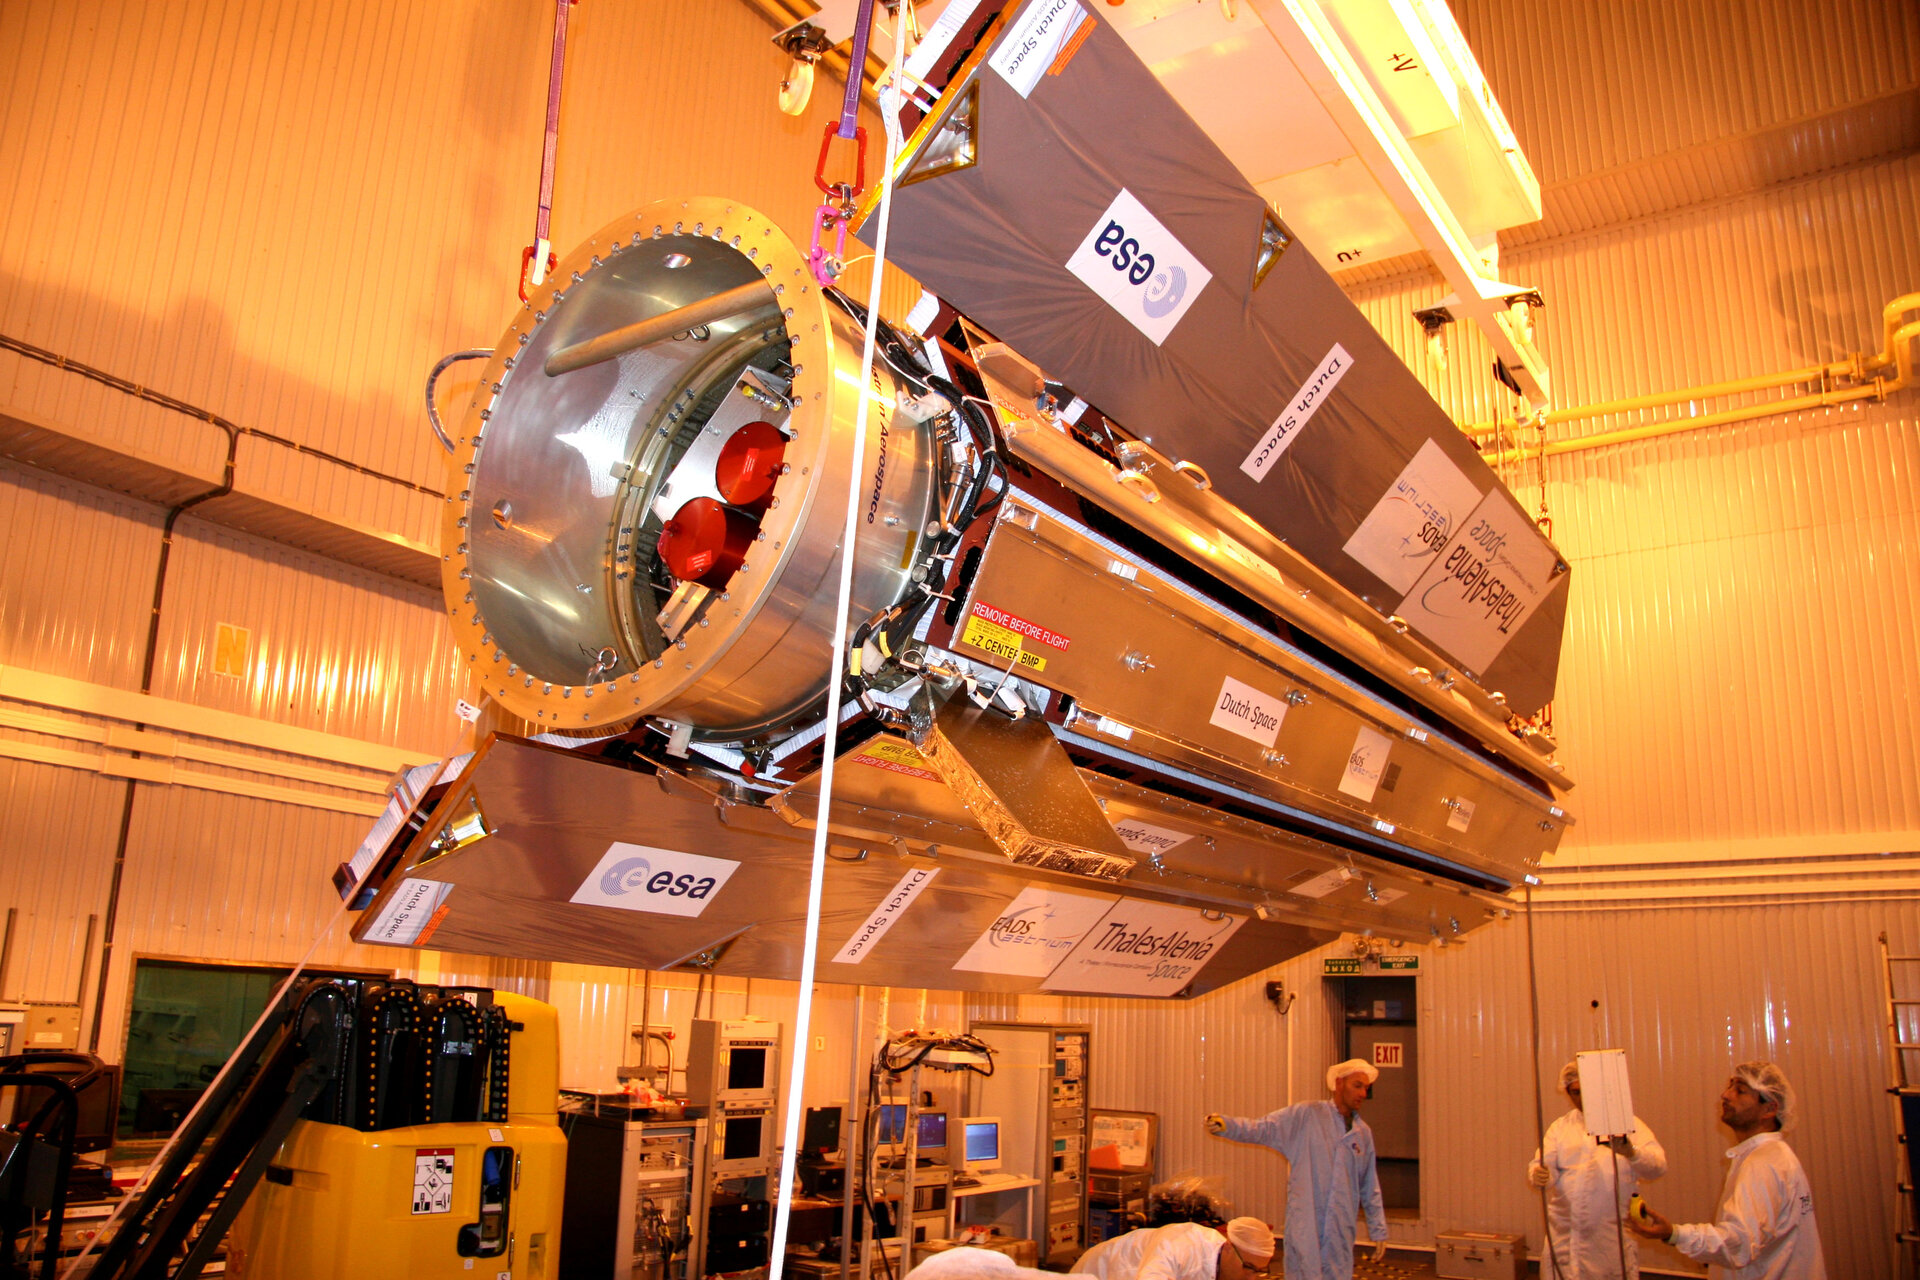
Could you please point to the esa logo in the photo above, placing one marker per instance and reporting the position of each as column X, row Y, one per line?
column 661, row 881
column 1164, row 288
column 633, row 875
column 1137, row 266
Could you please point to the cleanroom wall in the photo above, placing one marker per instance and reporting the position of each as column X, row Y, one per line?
column 280, row 218
column 1733, row 707
column 1687, row 987
column 229, row 841
column 177, row 219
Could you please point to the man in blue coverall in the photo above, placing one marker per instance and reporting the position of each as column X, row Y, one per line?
column 1331, row 1176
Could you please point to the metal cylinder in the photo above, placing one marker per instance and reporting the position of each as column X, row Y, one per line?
column 560, row 600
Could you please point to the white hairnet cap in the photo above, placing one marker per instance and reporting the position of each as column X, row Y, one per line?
column 1351, row 1067
column 1770, row 1082
column 1251, row 1237
column 1570, row 1075
column 974, row 1264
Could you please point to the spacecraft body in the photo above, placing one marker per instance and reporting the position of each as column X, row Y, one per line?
column 1186, row 632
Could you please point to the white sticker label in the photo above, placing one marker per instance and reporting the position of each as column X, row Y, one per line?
column 432, row 1180
column 666, row 882
column 1138, row 268
column 1414, row 519
column 408, row 912
column 1306, row 402
column 1145, row 949
column 1387, row 897
column 1462, row 816
column 1034, row 932
column 1144, row 837
column 1243, row 709
column 1484, row 585
column 1366, row 763
column 495, row 1135
column 466, row 710
column 1323, row 884
column 938, row 37
column 890, row 909
column 1232, row 550
column 1035, row 42
column 923, row 312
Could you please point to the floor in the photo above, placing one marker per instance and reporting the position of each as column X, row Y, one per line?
column 1399, row 1265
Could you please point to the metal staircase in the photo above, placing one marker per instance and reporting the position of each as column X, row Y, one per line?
column 1901, row 975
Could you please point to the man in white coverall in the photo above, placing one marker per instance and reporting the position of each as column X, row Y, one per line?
column 1182, row 1251
column 1330, row 1172
column 1585, row 1207
column 1764, row 1228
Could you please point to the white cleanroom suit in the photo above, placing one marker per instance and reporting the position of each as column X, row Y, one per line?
column 1764, row 1228
column 1331, row 1179
column 1582, row 1212
column 1178, row 1251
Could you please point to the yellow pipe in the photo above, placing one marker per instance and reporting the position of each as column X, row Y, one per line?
column 1856, row 366
column 1765, row 382
column 1890, row 319
column 1900, row 344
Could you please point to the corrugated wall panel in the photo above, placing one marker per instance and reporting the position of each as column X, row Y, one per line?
column 1735, row 673
column 598, row 1006
column 76, row 584
column 211, row 876
column 1733, row 665
column 1687, row 990
column 56, row 857
column 333, row 648
column 1593, row 86
column 76, row 581
column 1228, row 1051
column 177, row 220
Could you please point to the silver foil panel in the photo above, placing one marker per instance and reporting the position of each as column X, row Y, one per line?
column 1104, row 236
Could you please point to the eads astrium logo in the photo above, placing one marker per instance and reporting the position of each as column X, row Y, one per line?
column 1137, row 266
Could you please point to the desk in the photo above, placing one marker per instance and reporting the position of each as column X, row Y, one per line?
column 995, row 1184
column 992, row 1182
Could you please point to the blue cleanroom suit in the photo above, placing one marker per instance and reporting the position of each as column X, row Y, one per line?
column 1330, row 1180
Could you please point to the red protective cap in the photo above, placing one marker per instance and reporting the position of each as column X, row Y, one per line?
column 749, row 462
column 705, row 542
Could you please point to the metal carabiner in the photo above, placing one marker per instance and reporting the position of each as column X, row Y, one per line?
column 845, row 190
column 826, row 267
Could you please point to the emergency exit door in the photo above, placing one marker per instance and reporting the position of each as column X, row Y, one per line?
column 1381, row 1029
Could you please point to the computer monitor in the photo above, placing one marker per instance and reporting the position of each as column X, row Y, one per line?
column 893, row 1123
column 820, row 1135
column 749, row 1069
column 979, row 1143
column 743, row 1143
column 98, row 1100
column 932, row 1144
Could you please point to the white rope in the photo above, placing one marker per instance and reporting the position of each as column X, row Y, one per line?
column 803, row 1014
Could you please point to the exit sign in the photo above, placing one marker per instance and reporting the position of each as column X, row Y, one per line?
column 1354, row 966
column 1389, row 1053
